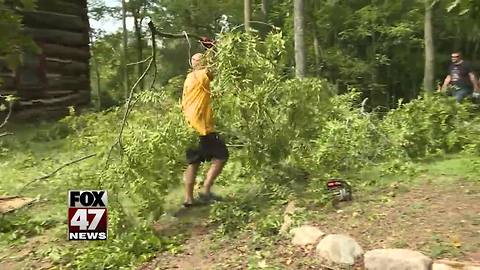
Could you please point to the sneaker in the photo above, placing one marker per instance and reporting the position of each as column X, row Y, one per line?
column 187, row 205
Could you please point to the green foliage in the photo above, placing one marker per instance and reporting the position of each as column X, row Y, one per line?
column 347, row 141
column 255, row 208
column 288, row 132
column 266, row 111
column 137, row 178
column 152, row 150
column 123, row 252
column 18, row 227
column 427, row 126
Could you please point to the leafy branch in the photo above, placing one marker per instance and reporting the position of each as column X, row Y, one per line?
column 129, row 105
column 56, row 170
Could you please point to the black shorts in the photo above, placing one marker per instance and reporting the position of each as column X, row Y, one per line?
column 210, row 146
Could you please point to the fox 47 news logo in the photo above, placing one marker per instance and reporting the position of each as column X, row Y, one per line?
column 87, row 215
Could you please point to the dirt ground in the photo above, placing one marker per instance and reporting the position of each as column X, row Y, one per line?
column 8, row 204
column 442, row 221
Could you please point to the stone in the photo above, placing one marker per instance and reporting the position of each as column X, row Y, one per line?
column 306, row 235
column 396, row 259
column 339, row 248
column 287, row 219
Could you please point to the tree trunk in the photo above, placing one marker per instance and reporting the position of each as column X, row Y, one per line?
column 126, row 85
column 138, row 37
column 428, row 79
column 247, row 11
column 98, row 104
column 475, row 51
column 316, row 50
column 298, row 13
column 265, row 10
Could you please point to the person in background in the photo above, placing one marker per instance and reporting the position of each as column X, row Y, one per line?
column 197, row 110
column 461, row 78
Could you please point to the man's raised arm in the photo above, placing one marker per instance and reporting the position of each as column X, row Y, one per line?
column 445, row 83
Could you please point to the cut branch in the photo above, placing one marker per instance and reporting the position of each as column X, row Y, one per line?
column 140, row 62
column 10, row 106
column 5, row 134
column 129, row 105
column 170, row 35
column 57, row 170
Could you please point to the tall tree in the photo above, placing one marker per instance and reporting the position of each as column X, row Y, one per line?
column 247, row 10
column 429, row 72
column 126, row 84
column 265, row 10
column 299, row 23
column 137, row 7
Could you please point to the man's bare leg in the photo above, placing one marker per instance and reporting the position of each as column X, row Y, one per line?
column 189, row 180
column 212, row 174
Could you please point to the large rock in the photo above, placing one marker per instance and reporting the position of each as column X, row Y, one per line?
column 306, row 235
column 339, row 248
column 396, row 259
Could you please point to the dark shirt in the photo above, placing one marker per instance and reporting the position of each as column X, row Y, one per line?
column 459, row 74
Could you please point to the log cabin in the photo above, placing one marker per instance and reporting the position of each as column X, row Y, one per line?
column 48, row 82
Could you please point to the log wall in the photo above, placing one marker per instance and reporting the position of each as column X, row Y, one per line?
column 57, row 77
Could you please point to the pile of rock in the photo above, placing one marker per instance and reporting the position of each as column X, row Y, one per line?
column 344, row 250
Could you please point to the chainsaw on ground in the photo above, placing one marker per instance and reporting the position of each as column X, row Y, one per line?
column 340, row 189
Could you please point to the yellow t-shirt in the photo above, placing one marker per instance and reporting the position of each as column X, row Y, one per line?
column 196, row 104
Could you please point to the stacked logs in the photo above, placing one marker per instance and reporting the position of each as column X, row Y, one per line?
column 57, row 76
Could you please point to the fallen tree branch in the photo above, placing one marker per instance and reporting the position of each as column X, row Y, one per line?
column 57, row 170
column 10, row 107
column 363, row 106
column 5, row 134
column 9, row 197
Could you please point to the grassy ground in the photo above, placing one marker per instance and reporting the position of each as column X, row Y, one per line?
column 435, row 211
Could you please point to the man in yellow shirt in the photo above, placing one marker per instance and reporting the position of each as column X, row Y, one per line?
column 197, row 109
